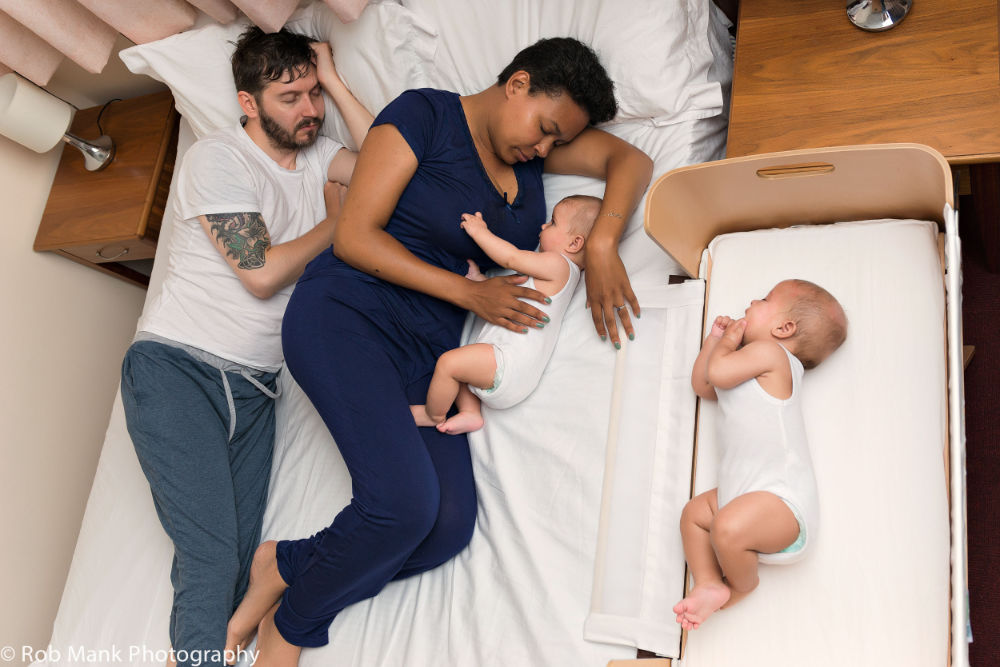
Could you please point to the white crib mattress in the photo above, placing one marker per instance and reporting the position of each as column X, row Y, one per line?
column 874, row 589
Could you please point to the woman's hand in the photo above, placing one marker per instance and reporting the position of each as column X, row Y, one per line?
column 609, row 291
column 497, row 301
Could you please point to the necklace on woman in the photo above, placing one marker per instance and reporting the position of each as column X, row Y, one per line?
column 501, row 190
column 481, row 150
column 495, row 184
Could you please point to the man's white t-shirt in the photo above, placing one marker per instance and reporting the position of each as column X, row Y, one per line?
column 202, row 303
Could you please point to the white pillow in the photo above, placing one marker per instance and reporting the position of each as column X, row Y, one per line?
column 656, row 51
column 378, row 56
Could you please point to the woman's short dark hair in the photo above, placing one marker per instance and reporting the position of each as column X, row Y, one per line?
column 564, row 64
column 262, row 57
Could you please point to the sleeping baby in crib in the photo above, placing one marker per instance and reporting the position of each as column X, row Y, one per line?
column 503, row 367
column 765, row 507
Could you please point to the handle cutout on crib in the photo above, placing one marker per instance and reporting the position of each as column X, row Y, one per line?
column 794, row 170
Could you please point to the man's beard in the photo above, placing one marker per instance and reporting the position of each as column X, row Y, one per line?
column 282, row 138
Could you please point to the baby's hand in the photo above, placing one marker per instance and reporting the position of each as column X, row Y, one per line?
column 474, row 272
column 734, row 332
column 719, row 326
column 473, row 223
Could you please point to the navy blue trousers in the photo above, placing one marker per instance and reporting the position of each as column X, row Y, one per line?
column 208, row 474
column 356, row 350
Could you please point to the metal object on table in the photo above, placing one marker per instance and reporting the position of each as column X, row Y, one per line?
column 877, row 15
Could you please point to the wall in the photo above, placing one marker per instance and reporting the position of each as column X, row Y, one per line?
column 65, row 329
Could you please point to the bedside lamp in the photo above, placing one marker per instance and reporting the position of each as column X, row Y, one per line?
column 37, row 120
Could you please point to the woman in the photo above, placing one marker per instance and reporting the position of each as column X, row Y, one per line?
column 367, row 322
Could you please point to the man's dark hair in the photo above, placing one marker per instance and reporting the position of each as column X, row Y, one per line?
column 563, row 64
column 262, row 57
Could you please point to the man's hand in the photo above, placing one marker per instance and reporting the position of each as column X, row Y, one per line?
column 333, row 194
column 326, row 71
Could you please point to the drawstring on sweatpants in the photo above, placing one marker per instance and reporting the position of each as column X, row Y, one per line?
column 248, row 376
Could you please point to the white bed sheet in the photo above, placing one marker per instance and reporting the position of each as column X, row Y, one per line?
column 518, row 595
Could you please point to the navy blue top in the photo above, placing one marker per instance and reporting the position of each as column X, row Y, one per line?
column 450, row 180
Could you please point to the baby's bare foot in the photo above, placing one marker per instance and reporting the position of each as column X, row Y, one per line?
column 701, row 602
column 462, row 422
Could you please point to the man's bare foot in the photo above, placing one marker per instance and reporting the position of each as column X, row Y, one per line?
column 421, row 417
column 266, row 586
column 461, row 422
column 701, row 602
column 272, row 649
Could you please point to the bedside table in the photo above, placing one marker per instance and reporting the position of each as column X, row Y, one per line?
column 107, row 218
column 805, row 77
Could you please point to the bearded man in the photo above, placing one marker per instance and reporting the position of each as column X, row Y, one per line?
column 254, row 203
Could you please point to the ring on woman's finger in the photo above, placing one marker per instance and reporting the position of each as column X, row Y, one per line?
column 617, row 308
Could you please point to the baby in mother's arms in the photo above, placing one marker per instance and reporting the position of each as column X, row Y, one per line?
column 503, row 367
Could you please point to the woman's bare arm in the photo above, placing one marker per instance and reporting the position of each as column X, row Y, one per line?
column 626, row 171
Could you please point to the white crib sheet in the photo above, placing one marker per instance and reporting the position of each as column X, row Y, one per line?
column 874, row 589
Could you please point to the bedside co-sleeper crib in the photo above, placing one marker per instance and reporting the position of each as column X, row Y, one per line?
column 884, row 582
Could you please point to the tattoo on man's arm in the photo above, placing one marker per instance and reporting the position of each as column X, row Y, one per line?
column 243, row 235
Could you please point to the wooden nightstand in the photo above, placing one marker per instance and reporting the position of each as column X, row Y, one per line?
column 805, row 77
column 107, row 218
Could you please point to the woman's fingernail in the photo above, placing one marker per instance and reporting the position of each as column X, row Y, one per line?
column 638, row 315
column 604, row 339
column 548, row 300
column 545, row 318
column 524, row 331
column 540, row 325
column 618, row 346
column 631, row 336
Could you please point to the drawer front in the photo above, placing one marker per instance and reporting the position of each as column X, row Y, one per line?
column 114, row 251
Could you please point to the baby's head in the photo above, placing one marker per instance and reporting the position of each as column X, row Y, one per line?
column 572, row 219
column 800, row 315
